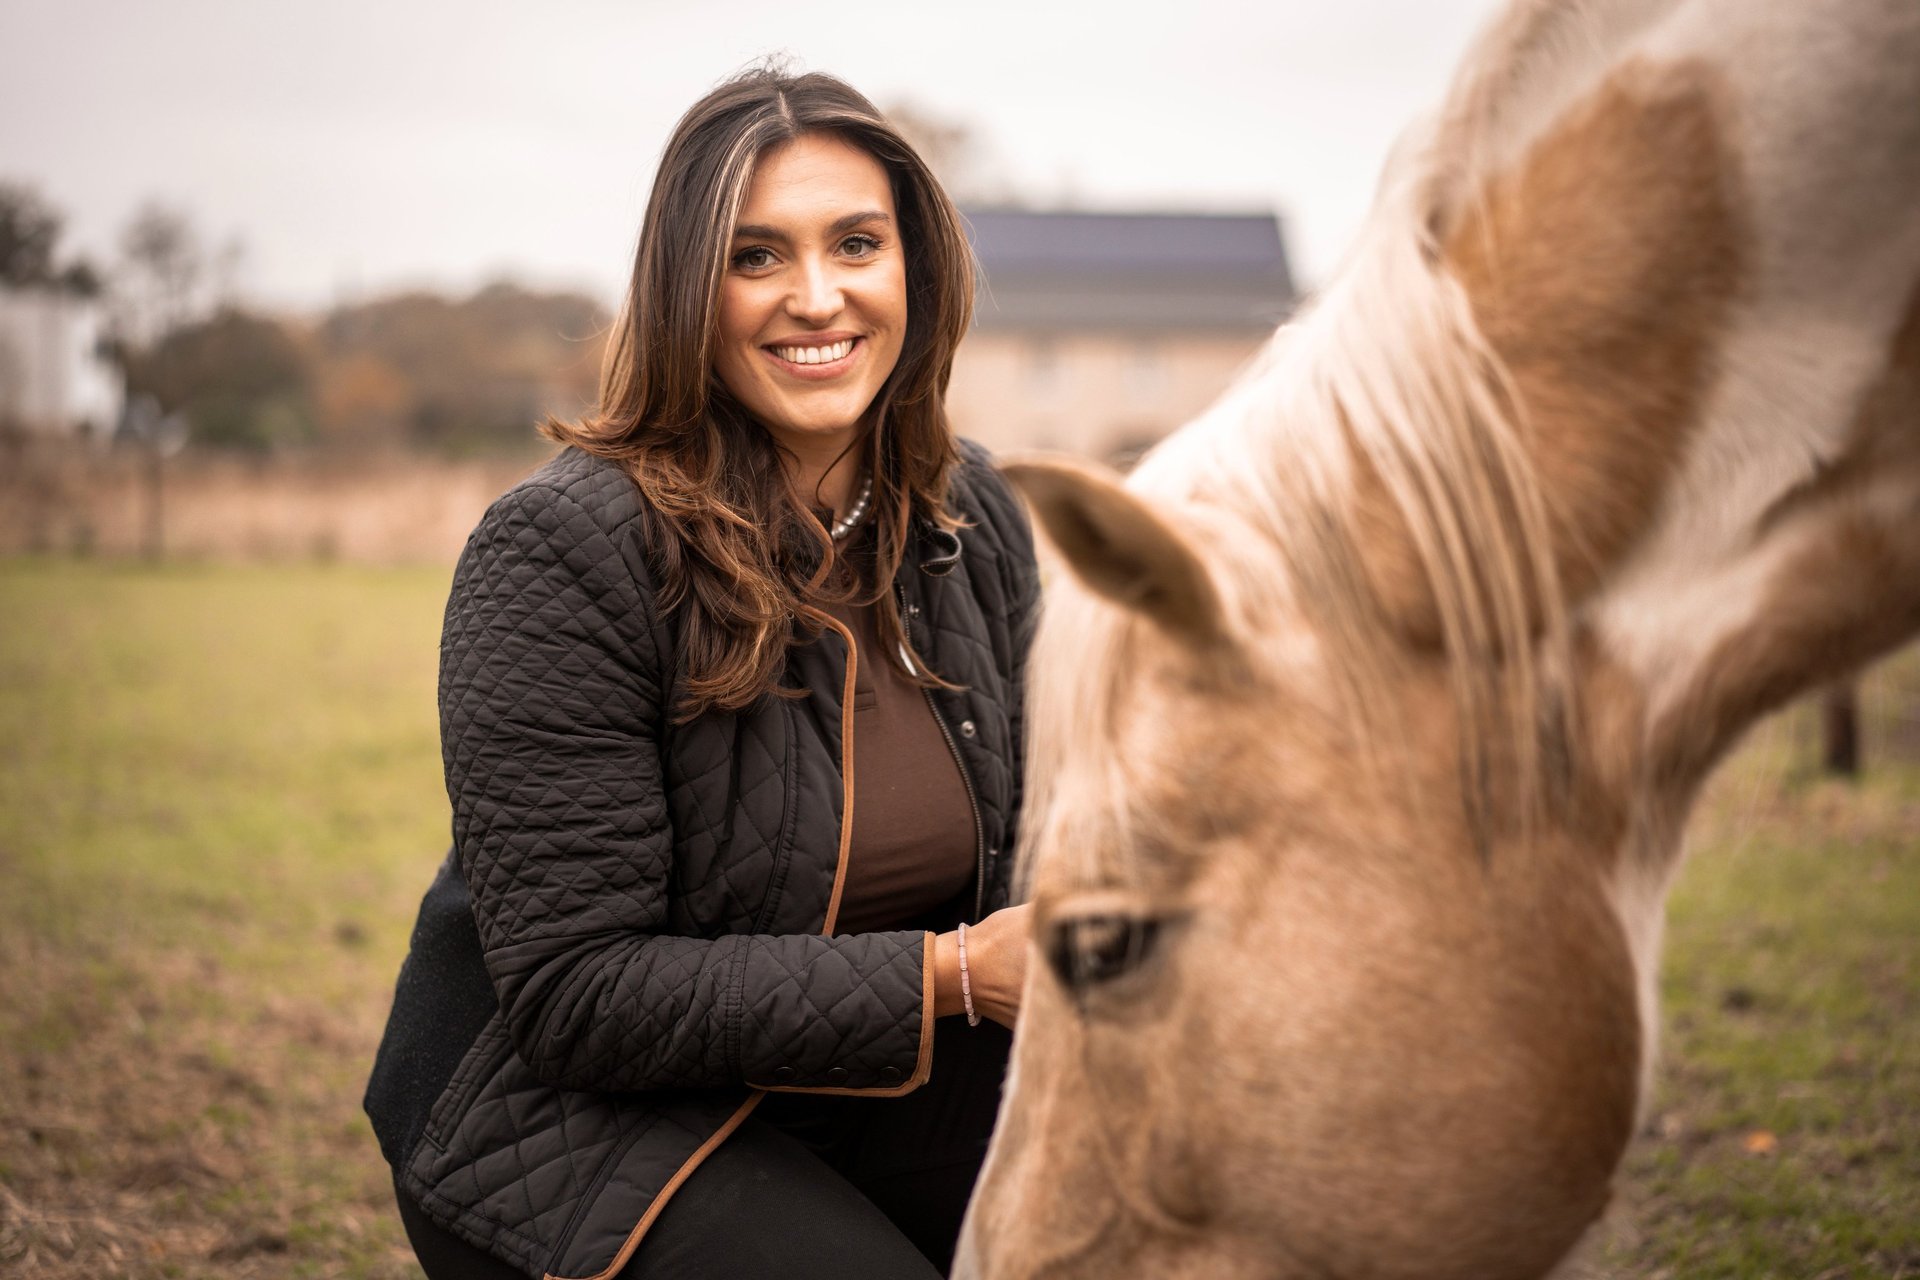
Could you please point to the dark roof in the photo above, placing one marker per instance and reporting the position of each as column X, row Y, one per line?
column 1129, row 271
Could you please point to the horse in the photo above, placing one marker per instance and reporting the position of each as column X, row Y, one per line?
column 1367, row 711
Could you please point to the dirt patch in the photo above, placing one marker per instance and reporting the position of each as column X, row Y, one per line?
column 153, row 1129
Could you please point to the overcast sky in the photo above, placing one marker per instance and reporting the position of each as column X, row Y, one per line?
column 358, row 145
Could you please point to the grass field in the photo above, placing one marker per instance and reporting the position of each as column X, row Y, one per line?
column 220, row 799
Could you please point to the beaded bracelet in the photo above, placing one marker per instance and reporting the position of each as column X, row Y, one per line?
column 966, row 987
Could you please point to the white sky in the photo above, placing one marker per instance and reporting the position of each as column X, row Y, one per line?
column 357, row 145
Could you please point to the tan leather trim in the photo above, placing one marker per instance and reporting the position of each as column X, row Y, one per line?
column 684, row 1172
column 922, row 1067
column 846, row 773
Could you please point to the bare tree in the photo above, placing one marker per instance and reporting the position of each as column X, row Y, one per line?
column 165, row 269
column 164, row 273
column 29, row 231
column 953, row 149
column 225, row 272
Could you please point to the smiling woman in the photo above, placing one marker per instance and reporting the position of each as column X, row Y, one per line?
column 676, row 1002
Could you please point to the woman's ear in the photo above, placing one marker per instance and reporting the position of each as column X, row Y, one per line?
column 1120, row 547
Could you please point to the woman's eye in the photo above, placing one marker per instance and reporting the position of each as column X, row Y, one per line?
column 753, row 259
column 859, row 246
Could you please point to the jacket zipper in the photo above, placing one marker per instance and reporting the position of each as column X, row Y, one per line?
column 966, row 779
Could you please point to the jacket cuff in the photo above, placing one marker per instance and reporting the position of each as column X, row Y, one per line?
column 889, row 1081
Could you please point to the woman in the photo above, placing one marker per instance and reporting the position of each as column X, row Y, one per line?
column 672, row 1001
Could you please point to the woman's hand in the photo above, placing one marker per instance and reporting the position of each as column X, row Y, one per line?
column 996, row 966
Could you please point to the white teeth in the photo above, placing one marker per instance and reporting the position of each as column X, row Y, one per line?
column 815, row 355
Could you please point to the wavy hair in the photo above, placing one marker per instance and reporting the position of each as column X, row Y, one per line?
column 744, row 566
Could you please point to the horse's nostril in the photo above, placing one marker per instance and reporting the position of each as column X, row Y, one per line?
column 1087, row 951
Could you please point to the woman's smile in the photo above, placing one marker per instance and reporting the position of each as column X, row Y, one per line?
column 816, row 357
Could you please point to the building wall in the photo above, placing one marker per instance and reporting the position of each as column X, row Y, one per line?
column 1098, row 395
column 53, row 380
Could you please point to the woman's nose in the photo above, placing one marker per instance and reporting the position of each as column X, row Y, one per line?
column 816, row 295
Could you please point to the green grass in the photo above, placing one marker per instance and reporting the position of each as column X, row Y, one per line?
column 220, row 799
column 1784, row 1135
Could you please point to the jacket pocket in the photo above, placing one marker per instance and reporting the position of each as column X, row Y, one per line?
column 481, row 1062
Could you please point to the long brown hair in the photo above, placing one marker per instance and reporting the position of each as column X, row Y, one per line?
column 743, row 564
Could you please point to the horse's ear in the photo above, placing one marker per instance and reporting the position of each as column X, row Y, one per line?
column 1120, row 547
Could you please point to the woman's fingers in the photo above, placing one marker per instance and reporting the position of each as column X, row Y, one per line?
column 1004, row 971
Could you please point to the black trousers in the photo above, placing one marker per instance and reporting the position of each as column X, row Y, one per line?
column 810, row 1186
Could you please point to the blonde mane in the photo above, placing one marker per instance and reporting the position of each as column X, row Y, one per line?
column 1384, row 385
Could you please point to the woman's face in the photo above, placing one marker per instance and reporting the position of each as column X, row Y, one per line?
column 814, row 306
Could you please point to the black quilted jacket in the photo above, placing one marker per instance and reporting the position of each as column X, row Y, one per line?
column 631, row 940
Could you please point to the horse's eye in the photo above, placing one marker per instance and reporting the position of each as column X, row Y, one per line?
column 1086, row 952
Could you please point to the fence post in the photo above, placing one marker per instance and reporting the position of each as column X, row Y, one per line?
column 1840, row 728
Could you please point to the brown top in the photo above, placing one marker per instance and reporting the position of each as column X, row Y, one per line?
column 913, row 837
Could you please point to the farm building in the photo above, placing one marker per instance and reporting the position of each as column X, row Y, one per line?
column 1098, row 333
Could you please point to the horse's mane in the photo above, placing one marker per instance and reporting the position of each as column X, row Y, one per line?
column 1386, row 379
column 1388, row 383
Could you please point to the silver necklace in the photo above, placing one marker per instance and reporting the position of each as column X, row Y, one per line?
column 849, row 522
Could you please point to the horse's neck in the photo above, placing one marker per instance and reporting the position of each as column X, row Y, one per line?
column 1703, row 275
column 1771, row 560
column 1800, row 444
column 1788, row 550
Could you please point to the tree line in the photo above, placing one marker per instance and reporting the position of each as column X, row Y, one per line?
column 414, row 370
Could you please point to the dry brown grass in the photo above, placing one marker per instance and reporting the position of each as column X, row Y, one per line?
column 369, row 509
column 149, row 1135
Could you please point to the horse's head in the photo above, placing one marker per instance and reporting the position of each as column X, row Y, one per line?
column 1296, row 1001
column 1366, row 714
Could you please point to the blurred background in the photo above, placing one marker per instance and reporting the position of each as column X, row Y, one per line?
column 283, row 290
column 338, row 259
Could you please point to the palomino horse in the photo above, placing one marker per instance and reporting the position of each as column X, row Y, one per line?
column 1368, row 717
